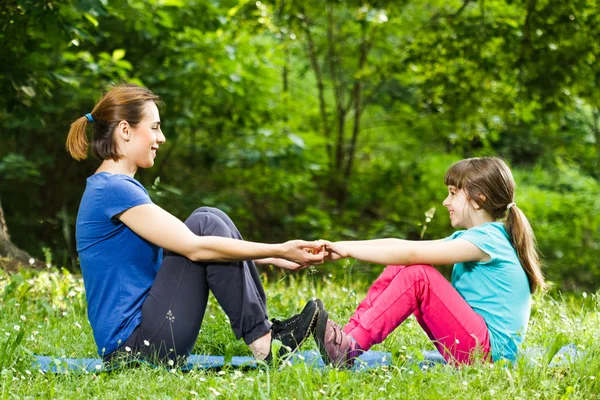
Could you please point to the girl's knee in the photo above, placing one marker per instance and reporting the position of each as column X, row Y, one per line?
column 416, row 270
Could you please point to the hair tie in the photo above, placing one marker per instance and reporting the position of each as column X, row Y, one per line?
column 510, row 205
column 89, row 117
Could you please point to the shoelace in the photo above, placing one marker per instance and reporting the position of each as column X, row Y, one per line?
column 337, row 333
column 279, row 326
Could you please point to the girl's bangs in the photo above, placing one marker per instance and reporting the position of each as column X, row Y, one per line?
column 456, row 175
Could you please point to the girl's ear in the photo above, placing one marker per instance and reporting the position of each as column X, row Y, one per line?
column 482, row 200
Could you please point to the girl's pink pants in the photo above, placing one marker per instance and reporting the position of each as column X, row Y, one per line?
column 457, row 331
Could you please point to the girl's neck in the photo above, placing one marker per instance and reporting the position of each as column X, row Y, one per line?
column 479, row 217
column 118, row 167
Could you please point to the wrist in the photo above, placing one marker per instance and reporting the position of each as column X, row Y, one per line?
column 278, row 250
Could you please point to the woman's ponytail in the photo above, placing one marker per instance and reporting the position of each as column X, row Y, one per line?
column 523, row 239
column 77, row 143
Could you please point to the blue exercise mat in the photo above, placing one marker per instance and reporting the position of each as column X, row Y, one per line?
column 368, row 360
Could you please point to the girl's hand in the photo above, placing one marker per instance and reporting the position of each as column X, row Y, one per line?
column 333, row 250
column 302, row 252
column 285, row 264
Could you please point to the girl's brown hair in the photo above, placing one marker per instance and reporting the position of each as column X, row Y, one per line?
column 120, row 103
column 490, row 184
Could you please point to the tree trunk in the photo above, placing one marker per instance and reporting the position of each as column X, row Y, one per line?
column 7, row 249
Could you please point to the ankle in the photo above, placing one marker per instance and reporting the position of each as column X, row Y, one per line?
column 355, row 349
column 261, row 347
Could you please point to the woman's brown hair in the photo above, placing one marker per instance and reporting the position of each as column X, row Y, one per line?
column 490, row 184
column 121, row 103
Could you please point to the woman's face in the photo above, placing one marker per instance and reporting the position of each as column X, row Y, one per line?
column 145, row 138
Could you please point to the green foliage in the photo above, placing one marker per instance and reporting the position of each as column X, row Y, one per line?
column 564, row 209
column 312, row 119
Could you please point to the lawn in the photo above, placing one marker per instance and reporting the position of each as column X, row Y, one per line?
column 44, row 313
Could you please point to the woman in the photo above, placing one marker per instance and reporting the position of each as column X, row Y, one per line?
column 142, row 302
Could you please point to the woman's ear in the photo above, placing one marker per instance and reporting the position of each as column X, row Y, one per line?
column 124, row 130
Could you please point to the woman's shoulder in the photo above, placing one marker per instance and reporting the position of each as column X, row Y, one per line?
column 108, row 181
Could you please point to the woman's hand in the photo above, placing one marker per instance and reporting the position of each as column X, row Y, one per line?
column 302, row 252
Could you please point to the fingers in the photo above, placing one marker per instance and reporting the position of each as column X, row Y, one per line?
column 323, row 243
column 315, row 252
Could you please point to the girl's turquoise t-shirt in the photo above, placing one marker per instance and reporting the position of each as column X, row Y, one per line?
column 498, row 289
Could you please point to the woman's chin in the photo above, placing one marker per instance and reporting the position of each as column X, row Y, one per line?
column 147, row 164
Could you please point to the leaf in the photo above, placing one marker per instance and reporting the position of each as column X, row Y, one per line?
column 28, row 90
column 90, row 18
column 118, row 54
column 297, row 140
column 173, row 3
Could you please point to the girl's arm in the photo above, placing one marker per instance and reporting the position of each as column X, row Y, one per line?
column 408, row 252
column 281, row 263
column 163, row 229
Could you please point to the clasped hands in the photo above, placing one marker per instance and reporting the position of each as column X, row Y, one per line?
column 300, row 254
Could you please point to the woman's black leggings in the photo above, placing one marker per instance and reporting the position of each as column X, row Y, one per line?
column 173, row 311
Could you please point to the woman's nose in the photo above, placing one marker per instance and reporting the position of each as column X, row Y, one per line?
column 161, row 138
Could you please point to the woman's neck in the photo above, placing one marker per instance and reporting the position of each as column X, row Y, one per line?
column 117, row 167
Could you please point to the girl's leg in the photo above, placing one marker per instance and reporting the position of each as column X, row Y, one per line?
column 173, row 311
column 453, row 326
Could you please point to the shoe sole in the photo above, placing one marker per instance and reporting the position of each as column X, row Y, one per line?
column 319, row 334
column 319, row 304
column 311, row 328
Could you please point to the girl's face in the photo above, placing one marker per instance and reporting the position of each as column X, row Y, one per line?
column 145, row 139
column 462, row 212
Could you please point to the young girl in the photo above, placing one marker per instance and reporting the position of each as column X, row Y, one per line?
column 140, row 302
column 496, row 269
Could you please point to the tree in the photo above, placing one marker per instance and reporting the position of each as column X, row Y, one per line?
column 7, row 249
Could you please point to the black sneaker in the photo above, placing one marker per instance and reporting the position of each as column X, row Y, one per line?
column 295, row 330
column 320, row 305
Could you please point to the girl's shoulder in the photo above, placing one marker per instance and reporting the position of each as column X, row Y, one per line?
column 490, row 237
column 489, row 228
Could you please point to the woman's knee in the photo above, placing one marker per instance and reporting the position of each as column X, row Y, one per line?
column 206, row 223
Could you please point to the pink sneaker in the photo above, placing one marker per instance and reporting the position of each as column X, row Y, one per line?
column 335, row 346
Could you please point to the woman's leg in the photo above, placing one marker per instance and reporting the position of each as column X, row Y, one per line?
column 173, row 311
column 455, row 329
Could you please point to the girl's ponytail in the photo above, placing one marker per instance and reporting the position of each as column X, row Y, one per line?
column 77, row 143
column 522, row 237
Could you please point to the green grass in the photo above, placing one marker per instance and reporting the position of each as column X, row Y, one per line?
column 44, row 313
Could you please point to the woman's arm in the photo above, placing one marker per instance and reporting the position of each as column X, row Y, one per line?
column 407, row 252
column 163, row 229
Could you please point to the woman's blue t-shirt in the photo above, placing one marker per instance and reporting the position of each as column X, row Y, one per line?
column 498, row 289
column 118, row 266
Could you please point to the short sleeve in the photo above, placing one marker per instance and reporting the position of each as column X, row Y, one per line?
column 455, row 235
column 122, row 194
column 483, row 238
